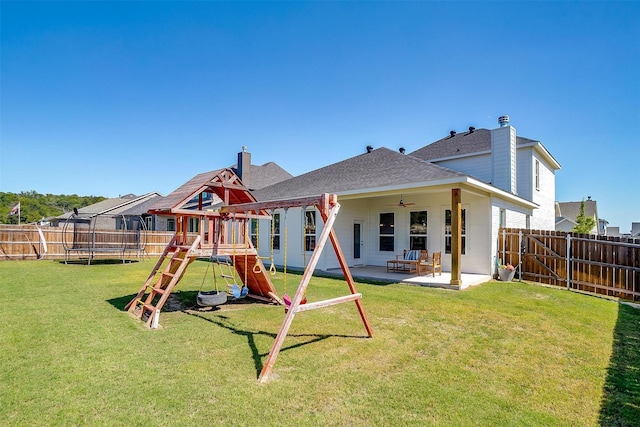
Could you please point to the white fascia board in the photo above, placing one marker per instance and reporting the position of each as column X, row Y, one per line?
column 484, row 188
column 537, row 146
column 501, row 193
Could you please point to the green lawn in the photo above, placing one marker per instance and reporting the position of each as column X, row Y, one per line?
column 498, row 354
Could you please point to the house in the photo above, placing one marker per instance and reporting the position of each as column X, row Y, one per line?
column 111, row 211
column 613, row 232
column 567, row 214
column 392, row 201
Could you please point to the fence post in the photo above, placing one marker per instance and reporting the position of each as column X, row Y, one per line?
column 504, row 246
column 568, row 261
column 520, row 255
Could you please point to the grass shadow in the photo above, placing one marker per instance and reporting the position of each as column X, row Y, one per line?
column 121, row 302
column 86, row 261
column 249, row 335
column 621, row 395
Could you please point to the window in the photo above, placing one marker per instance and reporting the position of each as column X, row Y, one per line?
column 386, row 232
column 275, row 237
column 309, row 230
column 253, row 232
column 148, row 222
column 503, row 218
column 537, row 175
column 171, row 224
column 447, row 231
column 194, row 225
column 418, row 230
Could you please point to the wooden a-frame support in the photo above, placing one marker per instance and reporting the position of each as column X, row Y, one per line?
column 328, row 207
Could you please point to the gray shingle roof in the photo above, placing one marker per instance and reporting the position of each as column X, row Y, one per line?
column 263, row 176
column 570, row 210
column 259, row 176
column 460, row 144
column 116, row 205
column 184, row 190
column 382, row 167
column 142, row 208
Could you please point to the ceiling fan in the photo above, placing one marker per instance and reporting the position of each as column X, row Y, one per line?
column 402, row 204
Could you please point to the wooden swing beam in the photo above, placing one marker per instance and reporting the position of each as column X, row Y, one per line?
column 328, row 206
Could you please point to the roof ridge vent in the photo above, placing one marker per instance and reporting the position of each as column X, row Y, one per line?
column 471, row 129
column 452, row 133
column 402, row 150
column 369, row 148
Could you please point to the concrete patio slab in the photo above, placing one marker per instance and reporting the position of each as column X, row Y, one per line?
column 439, row 281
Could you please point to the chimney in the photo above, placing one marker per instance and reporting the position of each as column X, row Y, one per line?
column 369, row 148
column 402, row 150
column 244, row 166
column 503, row 156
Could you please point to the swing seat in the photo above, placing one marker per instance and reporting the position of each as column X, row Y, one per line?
column 211, row 298
column 238, row 292
column 287, row 300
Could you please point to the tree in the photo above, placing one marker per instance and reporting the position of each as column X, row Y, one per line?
column 584, row 224
column 35, row 206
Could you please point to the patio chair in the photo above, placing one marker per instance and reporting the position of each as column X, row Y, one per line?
column 407, row 262
column 433, row 265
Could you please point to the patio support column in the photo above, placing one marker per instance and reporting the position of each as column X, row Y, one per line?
column 456, row 236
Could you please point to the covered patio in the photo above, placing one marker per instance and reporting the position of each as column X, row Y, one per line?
column 380, row 274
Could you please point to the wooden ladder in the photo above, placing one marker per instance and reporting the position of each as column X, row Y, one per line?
column 148, row 308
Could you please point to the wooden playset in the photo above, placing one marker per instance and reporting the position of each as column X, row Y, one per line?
column 223, row 232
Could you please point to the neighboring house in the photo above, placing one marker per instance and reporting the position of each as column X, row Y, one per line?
column 392, row 201
column 110, row 211
column 567, row 214
column 252, row 176
column 613, row 232
column 142, row 210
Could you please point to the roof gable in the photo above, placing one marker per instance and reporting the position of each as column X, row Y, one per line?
column 380, row 167
column 224, row 184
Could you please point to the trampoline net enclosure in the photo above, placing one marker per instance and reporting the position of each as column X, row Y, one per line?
column 87, row 236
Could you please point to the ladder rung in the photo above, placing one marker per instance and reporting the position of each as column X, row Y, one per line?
column 168, row 274
column 226, row 276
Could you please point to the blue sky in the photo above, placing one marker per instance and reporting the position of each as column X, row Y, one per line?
column 109, row 98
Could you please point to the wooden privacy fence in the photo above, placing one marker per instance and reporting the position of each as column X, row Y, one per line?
column 599, row 264
column 25, row 242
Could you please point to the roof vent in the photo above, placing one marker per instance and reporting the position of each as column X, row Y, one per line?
column 369, row 148
column 471, row 129
column 401, row 150
column 503, row 121
column 452, row 133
